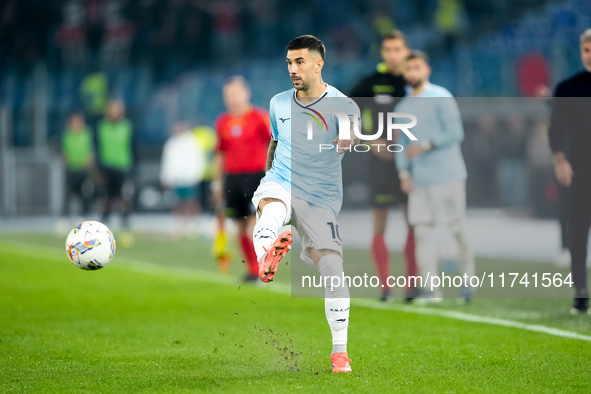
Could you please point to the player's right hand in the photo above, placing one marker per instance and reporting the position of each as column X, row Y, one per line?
column 564, row 172
column 217, row 195
column 406, row 185
column 343, row 145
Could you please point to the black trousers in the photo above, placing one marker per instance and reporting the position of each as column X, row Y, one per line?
column 565, row 200
column 75, row 186
column 579, row 224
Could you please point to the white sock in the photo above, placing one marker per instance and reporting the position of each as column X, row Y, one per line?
column 336, row 301
column 267, row 226
column 466, row 260
column 427, row 255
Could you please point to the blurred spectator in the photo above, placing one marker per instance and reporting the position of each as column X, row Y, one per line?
column 422, row 11
column 8, row 28
column 532, row 72
column 195, row 33
column 511, row 170
column 118, row 34
column 77, row 150
column 182, row 168
column 93, row 26
column 163, row 27
column 346, row 43
column 206, row 138
column 449, row 19
column 482, row 148
column 115, row 147
column 226, row 30
column 94, row 91
column 382, row 18
column 71, row 34
column 264, row 22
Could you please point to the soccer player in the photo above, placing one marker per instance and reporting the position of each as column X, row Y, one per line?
column 570, row 141
column 115, row 147
column 240, row 158
column 303, row 184
column 79, row 158
column 432, row 170
column 386, row 86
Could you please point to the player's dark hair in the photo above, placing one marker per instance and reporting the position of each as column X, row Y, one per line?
column 308, row 42
column 393, row 34
column 416, row 54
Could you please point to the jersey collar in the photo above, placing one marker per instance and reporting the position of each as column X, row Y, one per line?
column 295, row 99
column 409, row 90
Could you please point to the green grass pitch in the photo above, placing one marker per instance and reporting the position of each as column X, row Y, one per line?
column 160, row 318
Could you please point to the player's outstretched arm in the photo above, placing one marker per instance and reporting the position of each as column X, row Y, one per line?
column 271, row 153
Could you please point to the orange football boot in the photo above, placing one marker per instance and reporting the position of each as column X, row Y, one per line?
column 270, row 261
column 340, row 362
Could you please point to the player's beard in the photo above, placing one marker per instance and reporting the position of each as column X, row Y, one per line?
column 304, row 86
column 418, row 84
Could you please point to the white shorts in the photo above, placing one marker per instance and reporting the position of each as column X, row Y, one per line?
column 316, row 227
column 272, row 190
column 439, row 204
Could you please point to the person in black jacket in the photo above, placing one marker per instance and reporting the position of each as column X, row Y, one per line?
column 385, row 86
column 570, row 141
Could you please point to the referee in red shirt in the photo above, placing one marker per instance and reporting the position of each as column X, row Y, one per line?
column 243, row 135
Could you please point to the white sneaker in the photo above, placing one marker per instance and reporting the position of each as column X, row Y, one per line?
column 429, row 298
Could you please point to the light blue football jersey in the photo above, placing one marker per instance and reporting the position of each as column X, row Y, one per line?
column 306, row 163
column 439, row 121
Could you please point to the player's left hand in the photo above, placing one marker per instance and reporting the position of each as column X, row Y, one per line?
column 413, row 151
column 344, row 145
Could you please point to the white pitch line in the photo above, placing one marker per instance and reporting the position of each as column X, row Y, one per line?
column 207, row 276
column 475, row 319
column 367, row 303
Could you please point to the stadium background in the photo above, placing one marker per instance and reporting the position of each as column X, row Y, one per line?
column 168, row 60
column 162, row 318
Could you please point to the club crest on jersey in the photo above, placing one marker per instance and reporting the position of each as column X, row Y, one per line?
column 236, row 131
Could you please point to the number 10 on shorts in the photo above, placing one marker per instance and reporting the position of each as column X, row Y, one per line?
column 334, row 228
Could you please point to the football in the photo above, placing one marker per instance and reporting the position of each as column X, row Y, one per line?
column 90, row 245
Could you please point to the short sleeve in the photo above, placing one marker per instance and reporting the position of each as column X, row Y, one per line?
column 220, row 145
column 273, row 121
column 265, row 125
